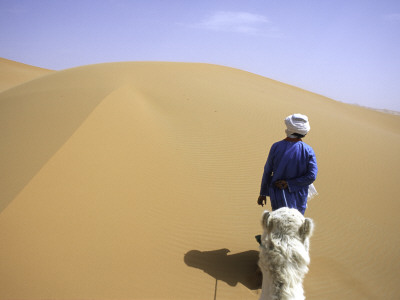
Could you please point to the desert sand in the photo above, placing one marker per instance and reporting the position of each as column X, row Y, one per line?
column 139, row 180
column 14, row 73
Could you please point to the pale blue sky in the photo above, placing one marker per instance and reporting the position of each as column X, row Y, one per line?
column 347, row 50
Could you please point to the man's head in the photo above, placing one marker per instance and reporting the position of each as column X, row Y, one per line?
column 297, row 126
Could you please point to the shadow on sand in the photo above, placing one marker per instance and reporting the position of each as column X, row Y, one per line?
column 232, row 269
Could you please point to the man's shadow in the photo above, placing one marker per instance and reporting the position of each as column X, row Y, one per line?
column 240, row 267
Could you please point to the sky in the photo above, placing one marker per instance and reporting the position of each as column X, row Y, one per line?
column 347, row 50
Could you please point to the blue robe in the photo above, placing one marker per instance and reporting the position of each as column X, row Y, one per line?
column 295, row 162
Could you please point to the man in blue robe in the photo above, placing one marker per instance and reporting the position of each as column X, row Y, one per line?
column 290, row 169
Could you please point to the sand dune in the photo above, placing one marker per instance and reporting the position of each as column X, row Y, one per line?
column 139, row 181
column 13, row 73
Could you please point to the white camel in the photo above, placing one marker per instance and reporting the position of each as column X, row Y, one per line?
column 284, row 254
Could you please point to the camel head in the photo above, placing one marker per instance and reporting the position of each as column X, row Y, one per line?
column 284, row 253
column 287, row 222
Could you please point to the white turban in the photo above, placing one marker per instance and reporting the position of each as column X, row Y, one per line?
column 297, row 123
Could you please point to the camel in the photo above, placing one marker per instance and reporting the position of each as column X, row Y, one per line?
column 284, row 253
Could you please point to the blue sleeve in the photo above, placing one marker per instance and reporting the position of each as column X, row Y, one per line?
column 309, row 177
column 266, row 179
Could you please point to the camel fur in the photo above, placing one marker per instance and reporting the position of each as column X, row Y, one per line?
column 284, row 253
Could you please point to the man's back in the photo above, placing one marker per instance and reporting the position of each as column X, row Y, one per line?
column 290, row 159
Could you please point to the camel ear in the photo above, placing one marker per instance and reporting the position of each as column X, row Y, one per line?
column 270, row 225
column 306, row 229
column 264, row 219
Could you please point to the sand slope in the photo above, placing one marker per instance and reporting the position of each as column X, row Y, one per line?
column 139, row 181
column 13, row 73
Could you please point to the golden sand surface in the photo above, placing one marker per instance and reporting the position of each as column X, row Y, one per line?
column 14, row 73
column 139, row 180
